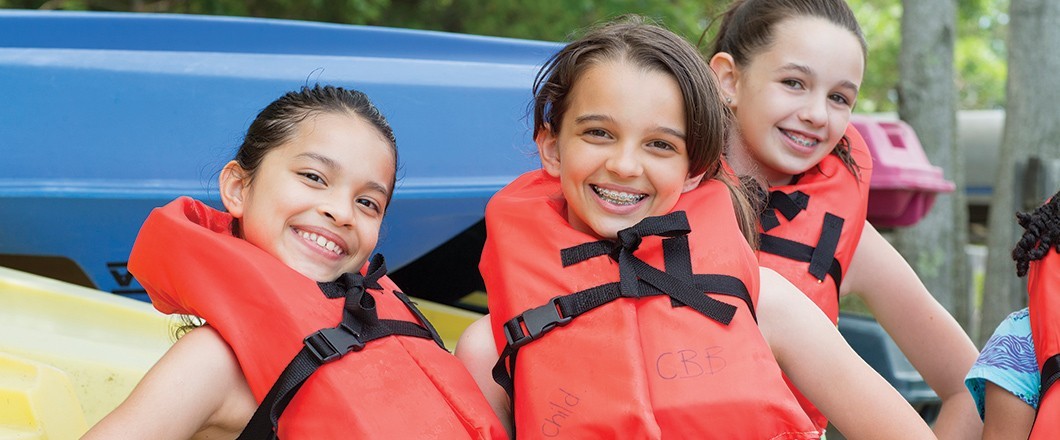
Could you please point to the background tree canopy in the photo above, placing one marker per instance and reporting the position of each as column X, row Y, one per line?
column 980, row 46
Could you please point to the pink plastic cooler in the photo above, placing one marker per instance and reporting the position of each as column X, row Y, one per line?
column 904, row 184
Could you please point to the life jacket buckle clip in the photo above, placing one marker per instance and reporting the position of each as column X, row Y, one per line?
column 332, row 343
column 538, row 320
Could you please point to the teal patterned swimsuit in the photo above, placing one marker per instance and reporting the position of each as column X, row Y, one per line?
column 1008, row 361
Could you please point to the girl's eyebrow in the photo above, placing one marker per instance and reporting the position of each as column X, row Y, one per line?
column 672, row 132
column 605, row 118
column 806, row 70
column 326, row 161
column 376, row 186
column 593, row 118
column 332, row 165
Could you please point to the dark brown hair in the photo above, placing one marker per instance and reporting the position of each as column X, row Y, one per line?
column 649, row 46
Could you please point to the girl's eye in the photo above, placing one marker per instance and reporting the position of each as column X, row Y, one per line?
column 596, row 132
column 662, row 145
column 370, row 204
column 840, row 99
column 312, row 176
column 793, row 83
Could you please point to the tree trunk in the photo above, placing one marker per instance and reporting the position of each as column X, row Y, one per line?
column 1032, row 129
column 928, row 101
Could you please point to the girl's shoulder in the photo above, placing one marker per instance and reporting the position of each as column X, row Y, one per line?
column 1008, row 361
column 1015, row 327
column 1019, row 318
column 1011, row 346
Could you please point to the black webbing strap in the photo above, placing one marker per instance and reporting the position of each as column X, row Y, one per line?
column 821, row 258
column 1050, row 373
column 675, row 282
column 678, row 260
column 422, row 319
column 360, row 325
column 788, row 205
column 637, row 279
column 824, row 252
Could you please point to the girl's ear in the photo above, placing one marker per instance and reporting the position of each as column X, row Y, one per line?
column 233, row 184
column 548, row 150
column 692, row 183
column 728, row 76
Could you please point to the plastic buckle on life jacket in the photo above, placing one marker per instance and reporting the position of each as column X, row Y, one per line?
column 332, row 343
column 537, row 320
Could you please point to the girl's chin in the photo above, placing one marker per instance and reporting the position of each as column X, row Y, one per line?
column 320, row 275
column 606, row 226
column 610, row 231
column 782, row 175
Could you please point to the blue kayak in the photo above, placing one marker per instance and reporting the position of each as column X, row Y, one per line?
column 108, row 115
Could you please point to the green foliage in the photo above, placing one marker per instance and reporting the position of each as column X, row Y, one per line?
column 881, row 22
column 979, row 53
column 554, row 20
column 982, row 69
column 337, row 11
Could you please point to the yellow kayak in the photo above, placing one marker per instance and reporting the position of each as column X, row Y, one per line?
column 69, row 354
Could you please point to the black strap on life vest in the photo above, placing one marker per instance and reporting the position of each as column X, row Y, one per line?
column 1050, row 373
column 788, row 205
column 637, row 279
column 821, row 257
column 360, row 325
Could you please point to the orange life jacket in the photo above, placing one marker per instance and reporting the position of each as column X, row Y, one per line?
column 397, row 383
column 811, row 229
column 1043, row 287
column 812, row 226
column 643, row 348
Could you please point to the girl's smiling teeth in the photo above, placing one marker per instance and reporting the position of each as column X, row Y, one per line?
column 801, row 140
column 322, row 242
column 617, row 197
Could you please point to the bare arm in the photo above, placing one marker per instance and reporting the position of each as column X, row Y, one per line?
column 817, row 359
column 196, row 390
column 927, row 334
column 1006, row 416
column 478, row 353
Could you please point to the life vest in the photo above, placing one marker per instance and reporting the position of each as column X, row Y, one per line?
column 396, row 383
column 1043, row 287
column 811, row 228
column 638, row 351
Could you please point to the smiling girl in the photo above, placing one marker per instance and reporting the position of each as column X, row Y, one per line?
column 272, row 277
column 613, row 314
column 790, row 71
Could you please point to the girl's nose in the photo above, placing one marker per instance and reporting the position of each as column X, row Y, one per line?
column 625, row 161
column 341, row 214
column 815, row 112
